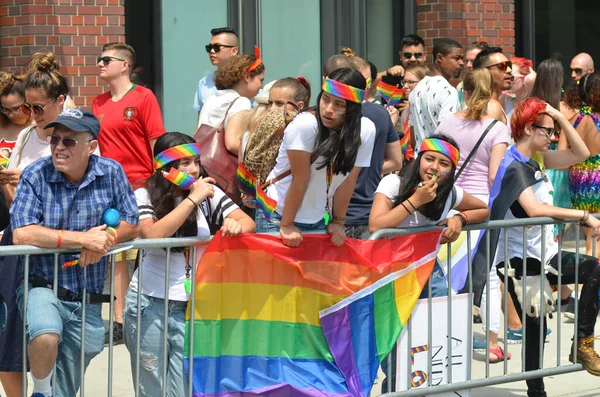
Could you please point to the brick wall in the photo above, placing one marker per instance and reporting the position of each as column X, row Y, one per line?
column 74, row 30
column 467, row 21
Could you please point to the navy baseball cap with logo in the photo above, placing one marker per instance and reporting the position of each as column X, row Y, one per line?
column 77, row 120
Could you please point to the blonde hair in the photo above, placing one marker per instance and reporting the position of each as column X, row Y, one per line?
column 125, row 50
column 252, row 119
column 420, row 71
column 480, row 86
column 359, row 63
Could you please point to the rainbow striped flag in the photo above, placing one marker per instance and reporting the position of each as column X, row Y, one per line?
column 245, row 180
column 396, row 97
column 259, row 325
column 386, row 90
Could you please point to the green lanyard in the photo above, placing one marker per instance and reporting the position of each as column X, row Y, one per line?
column 328, row 180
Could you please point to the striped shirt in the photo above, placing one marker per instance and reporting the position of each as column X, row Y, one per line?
column 45, row 198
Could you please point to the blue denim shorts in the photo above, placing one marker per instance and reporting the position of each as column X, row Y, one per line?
column 264, row 225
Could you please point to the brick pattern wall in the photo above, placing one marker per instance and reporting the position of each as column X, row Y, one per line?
column 467, row 21
column 74, row 30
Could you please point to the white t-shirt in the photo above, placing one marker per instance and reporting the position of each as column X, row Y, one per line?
column 389, row 187
column 301, row 134
column 543, row 191
column 32, row 148
column 431, row 100
column 213, row 111
column 155, row 259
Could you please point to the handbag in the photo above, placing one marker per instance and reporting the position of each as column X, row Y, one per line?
column 481, row 138
column 218, row 162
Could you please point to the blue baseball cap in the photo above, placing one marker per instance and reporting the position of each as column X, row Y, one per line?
column 77, row 120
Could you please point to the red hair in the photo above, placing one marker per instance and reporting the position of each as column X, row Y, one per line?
column 527, row 112
column 525, row 65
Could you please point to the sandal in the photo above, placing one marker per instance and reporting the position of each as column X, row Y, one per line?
column 499, row 353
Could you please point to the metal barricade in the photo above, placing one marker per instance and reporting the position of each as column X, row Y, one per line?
column 517, row 374
column 506, row 377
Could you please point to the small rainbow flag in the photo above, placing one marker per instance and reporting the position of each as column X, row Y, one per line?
column 386, row 90
column 245, row 180
column 179, row 178
column 265, row 203
column 396, row 97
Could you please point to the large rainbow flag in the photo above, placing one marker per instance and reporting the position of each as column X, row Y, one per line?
column 274, row 321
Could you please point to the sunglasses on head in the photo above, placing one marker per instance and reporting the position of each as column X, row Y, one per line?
column 577, row 71
column 216, row 47
column 67, row 142
column 408, row 55
column 107, row 59
column 35, row 108
column 548, row 131
column 16, row 109
column 502, row 66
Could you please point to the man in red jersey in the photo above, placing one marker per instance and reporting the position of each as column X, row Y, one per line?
column 130, row 123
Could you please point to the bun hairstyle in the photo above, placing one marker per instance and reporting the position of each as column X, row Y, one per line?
column 10, row 84
column 341, row 147
column 480, row 85
column 349, row 52
column 234, row 70
column 299, row 86
column 43, row 75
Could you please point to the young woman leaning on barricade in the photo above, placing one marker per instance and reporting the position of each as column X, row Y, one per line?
column 176, row 201
column 522, row 190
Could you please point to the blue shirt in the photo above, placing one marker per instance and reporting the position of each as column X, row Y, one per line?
column 369, row 177
column 45, row 198
column 206, row 89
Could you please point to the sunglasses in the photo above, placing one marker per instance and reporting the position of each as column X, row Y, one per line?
column 408, row 55
column 107, row 59
column 216, row 47
column 67, row 142
column 577, row 71
column 548, row 131
column 36, row 108
column 16, row 109
column 502, row 66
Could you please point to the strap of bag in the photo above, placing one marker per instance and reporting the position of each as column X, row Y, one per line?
column 481, row 138
column 226, row 113
column 17, row 156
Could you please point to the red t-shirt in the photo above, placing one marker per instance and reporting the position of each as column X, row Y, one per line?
column 126, row 129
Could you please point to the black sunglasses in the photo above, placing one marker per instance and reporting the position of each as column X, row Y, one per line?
column 408, row 55
column 217, row 47
column 502, row 66
column 577, row 71
column 106, row 59
column 548, row 131
column 67, row 142
column 35, row 108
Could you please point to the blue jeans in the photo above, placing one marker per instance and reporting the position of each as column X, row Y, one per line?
column 152, row 360
column 263, row 225
column 46, row 314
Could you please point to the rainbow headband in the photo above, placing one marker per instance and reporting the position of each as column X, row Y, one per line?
column 344, row 91
column 443, row 147
column 176, row 153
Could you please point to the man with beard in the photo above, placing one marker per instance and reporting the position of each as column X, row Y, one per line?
column 501, row 69
column 434, row 97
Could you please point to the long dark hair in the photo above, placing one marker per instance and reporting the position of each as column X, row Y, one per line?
column 584, row 93
column 162, row 192
column 548, row 82
column 410, row 178
column 341, row 147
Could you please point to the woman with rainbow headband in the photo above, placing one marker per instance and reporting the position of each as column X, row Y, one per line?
column 318, row 163
column 176, row 201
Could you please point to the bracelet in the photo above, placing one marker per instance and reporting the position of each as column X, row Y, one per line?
column 585, row 218
column 465, row 216
column 411, row 204
column 406, row 208
column 189, row 198
column 59, row 242
column 339, row 218
column 463, row 221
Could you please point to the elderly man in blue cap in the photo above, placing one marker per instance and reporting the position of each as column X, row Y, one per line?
column 59, row 204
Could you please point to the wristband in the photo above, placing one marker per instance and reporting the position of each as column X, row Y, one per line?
column 463, row 221
column 464, row 216
column 114, row 233
column 406, row 208
column 585, row 218
column 339, row 218
column 189, row 198
column 59, row 242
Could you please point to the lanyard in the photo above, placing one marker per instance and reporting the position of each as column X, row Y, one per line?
column 328, row 180
column 188, row 282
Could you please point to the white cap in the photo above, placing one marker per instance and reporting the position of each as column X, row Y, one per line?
column 263, row 95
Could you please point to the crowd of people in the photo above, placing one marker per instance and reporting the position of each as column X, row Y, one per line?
column 477, row 136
